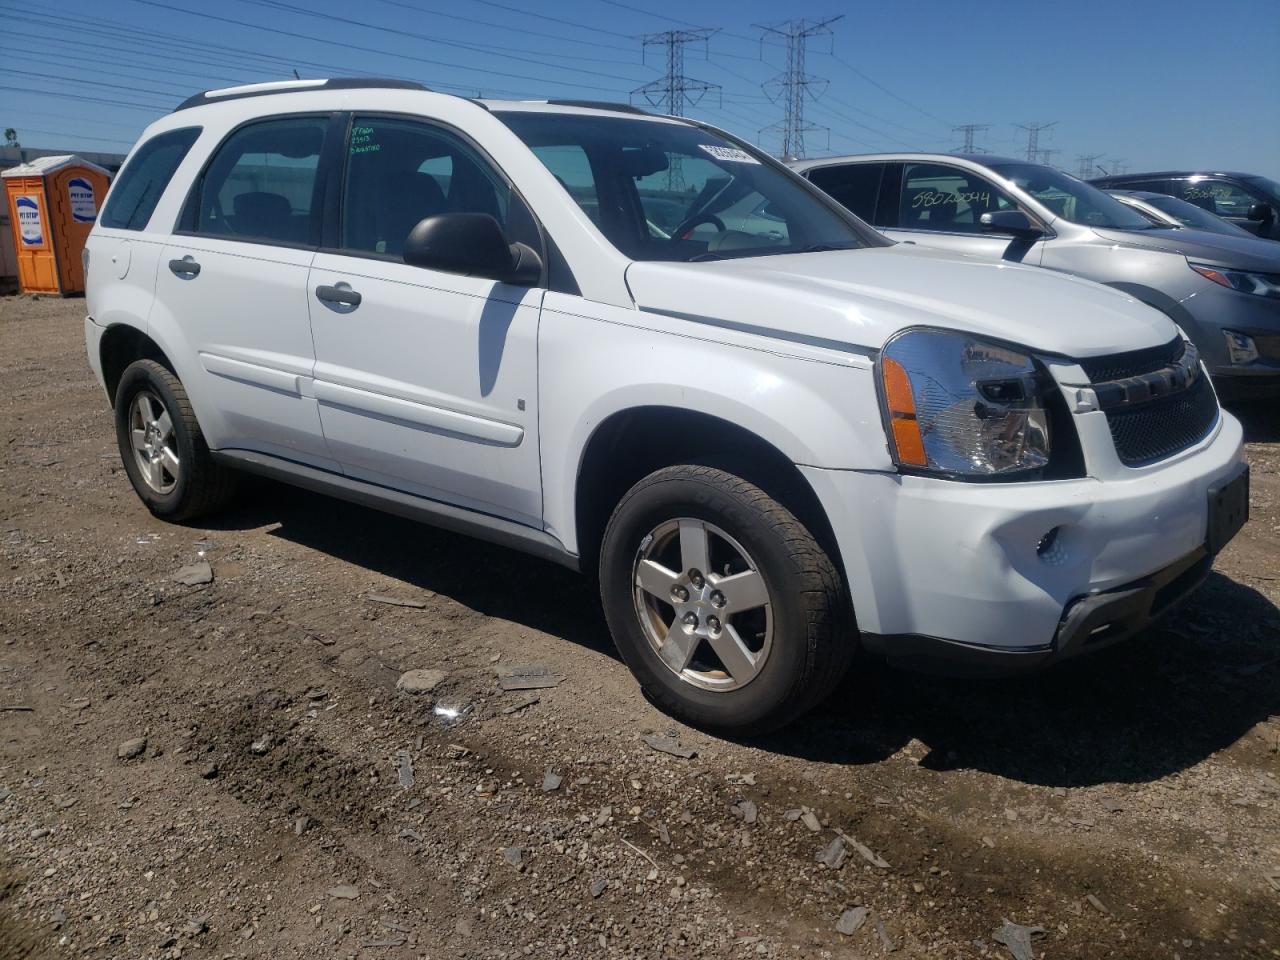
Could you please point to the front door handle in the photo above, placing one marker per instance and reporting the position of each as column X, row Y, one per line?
column 186, row 267
column 338, row 294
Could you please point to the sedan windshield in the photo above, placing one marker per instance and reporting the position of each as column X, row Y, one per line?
column 1072, row 199
column 661, row 190
column 1189, row 215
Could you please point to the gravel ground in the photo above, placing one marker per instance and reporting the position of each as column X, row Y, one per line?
column 228, row 769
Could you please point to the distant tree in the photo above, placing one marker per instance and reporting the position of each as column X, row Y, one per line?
column 11, row 137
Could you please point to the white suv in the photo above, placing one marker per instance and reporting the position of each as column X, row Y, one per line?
column 640, row 347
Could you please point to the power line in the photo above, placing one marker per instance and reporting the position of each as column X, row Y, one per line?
column 1033, row 136
column 793, row 86
column 882, row 88
column 968, row 130
column 80, row 98
column 382, row 53
column 675, row 91
column 1046, row 156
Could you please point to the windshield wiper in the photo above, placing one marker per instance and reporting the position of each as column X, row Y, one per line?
column 706, row 255
column 822, row 248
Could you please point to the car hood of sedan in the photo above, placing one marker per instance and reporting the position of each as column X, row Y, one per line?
column 1220, row 249
column 857, row 299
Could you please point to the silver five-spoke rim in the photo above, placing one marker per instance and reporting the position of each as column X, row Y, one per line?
column 154, row 445
column 703, row 604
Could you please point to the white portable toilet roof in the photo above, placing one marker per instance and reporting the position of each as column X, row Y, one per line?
column 41, row 166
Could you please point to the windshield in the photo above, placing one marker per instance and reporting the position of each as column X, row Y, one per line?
column 1267, row 184
column 1072, row 199
column 671, row 191
column 1189, row 215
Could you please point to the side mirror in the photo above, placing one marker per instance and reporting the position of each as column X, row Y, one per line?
column 1261, row 212
column 472, row 244
column 1013, row 222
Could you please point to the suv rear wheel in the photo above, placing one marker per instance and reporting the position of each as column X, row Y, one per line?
column 163, row 450
column 721, row 602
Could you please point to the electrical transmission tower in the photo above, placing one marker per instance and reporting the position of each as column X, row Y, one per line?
column 674, row 91
column 1118, row 166
column 969, row 130
column 794, row 85
column 1033, row 137
column 1085, row 164
column 1046, row 155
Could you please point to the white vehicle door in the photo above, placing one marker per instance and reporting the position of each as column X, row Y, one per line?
column 427, row 381
column 939, row 205
column 232, row 282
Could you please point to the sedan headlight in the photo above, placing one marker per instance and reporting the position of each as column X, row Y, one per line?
column 1261, row 284
column 959, row 405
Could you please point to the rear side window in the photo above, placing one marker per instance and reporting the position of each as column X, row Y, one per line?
column 947, row 199
column 854, row 186
column 260, row 185
column 144, row 178
column 1220, row 197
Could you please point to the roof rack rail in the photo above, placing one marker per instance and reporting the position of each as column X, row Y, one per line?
column 294, row 86
column 600, row 105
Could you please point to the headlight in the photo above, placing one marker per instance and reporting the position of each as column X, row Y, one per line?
column 1261, row 284
column 959, row 405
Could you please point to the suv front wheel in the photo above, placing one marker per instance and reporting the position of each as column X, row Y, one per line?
column 163, row 450
column 721, row 602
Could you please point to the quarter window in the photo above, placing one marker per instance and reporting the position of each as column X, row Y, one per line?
column 261, row 184
column 399, row 172
column 948, row 199
column 144, row 179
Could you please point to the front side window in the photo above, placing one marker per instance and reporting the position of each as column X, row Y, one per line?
column 854, row 186
column 401, row 171
column 260, row 185
column 144, row 178
column 1219, row 197
column 944, row 198
column 1072, row 199
column 662, row 190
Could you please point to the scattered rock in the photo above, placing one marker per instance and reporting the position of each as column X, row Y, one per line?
column 261, row 745
column 810, row 820
column 344, row 891
column 832, row 855
column 196, row 575
column 420, row 681
column 888, row 945
column 132, row 748
column 598, row 887
column 209, row 771
column 301, row 825
column 851, row 921
column 1097, row 904
column 1018, row 939
column 1111, row 805
column 551, row 781
column 521, row 705
column 669, row 745
column 513, row 855
column 1273, row 877
column 529, row 677
column 395, row 601
column 746, row 809
column 866, row 852
column 404, row 768
column 197, row 925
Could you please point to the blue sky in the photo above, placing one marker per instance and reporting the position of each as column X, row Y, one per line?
column 1152, row 84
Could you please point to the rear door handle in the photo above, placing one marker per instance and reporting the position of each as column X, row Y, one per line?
column 338, row 294
column 186, row 267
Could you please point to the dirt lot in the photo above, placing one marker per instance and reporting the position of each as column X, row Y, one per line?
column 1128, row 805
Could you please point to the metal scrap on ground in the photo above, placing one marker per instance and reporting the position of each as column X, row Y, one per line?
column 1018, row 939
column 669, row 745
column 529, row 678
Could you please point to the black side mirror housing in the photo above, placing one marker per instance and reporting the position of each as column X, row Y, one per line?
column 1013, row 222
column 472, row 244
column 1261, row 212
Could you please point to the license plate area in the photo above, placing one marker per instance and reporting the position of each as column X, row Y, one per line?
column 1228, row 509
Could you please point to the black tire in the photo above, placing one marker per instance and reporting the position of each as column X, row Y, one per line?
column 814, row 638
column 203, row 486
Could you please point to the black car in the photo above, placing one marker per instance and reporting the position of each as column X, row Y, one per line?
column 1245, row 199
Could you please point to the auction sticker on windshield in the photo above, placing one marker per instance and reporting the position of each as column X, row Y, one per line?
column 731, row 154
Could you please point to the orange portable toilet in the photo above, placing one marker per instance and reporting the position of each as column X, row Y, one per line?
column 53, row 202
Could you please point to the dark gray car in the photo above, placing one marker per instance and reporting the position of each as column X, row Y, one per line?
column 1223, row 291
column 1250, row 201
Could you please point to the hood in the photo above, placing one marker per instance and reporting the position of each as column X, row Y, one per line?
column 863, row 297
column 1219, row 249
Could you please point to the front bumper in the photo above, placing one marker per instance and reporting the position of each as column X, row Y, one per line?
column 1212, row 310
column 954, row 568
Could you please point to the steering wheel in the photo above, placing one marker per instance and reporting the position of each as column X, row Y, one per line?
column 686, row 227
